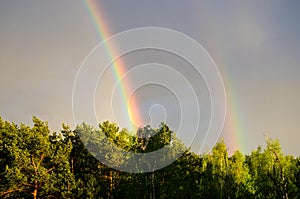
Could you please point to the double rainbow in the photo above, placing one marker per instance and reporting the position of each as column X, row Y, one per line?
column 232, row 126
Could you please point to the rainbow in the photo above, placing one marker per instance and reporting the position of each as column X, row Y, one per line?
column 118, row 66
column 232, row 130
column 233, row 127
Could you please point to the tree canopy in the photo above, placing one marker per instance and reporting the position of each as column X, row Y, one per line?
column 37, row 163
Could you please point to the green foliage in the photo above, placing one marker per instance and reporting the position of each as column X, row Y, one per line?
column 273, row 173
column 36, row 163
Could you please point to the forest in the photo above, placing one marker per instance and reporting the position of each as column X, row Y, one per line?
column 38, row 163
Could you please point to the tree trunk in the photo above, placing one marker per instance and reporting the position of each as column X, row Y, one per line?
column 110, row 184
column 35, row 190
column 153, row 186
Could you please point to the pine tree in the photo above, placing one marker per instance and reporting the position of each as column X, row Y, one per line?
column 39, row 164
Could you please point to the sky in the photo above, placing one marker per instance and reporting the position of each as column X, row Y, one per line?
column 254, row 44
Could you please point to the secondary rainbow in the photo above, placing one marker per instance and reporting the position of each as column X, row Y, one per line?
column 233, row 130
column 118, row 66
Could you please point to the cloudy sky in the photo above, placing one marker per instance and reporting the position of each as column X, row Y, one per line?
column 255, row 45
